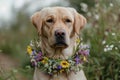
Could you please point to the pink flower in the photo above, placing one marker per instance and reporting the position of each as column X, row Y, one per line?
column 84, row 52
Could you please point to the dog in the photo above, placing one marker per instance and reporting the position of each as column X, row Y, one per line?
column 58, row 28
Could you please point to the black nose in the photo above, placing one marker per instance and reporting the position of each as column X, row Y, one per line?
column 60, row 33
column 60, row 37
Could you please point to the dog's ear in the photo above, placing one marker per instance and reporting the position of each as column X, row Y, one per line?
column 79, row 22
column 37, row 22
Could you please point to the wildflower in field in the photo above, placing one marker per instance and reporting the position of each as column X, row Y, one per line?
column 51, row 65
column 77, row 59
column 64, row 64
column 33, row 52
column 62, row 70
column 59, row 67
column 38, row 57
column 45, row 60
column 113, row 34
column 103, row 42
column 84, row 52
column 111, row 4
column 84, row 7
column 29, row 50
column 77, row 40
column 33, row 62
column 84, row 59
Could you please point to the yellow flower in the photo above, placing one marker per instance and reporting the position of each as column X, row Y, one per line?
column 78, row 41
column 64, row 64
column 29, row 50
column 45, row 60
column 62, row 70
column 84, row 58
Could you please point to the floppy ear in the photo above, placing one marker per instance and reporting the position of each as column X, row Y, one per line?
column 79, row 22
column 37, row 22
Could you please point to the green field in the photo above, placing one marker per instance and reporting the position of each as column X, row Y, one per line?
column 102, row 33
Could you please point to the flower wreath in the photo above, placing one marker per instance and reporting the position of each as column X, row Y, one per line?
column 51, row 66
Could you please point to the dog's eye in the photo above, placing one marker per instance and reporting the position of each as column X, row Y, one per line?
column 50, row 20
column 67, row 20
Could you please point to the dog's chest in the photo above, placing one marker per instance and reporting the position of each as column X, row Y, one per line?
column 59, row 77
column 38, row 75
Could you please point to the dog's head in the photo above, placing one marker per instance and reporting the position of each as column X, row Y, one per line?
column 58, row 25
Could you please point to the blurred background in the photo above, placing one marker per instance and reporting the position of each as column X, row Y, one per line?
column 102, row 33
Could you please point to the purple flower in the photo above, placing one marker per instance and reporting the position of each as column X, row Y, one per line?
column 77, row 59
column 34, row 63
column 38, row 57
column 40, row 53
column 84, row 52
column 33, row 52
column 59, row 67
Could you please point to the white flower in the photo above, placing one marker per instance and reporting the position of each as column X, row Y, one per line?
column 108, row 48
column 84, row 46
column 105, row 50
column 97, row 17
column 111, row 46
column 31, row 43
column 89, row 14
column 84, row 7
column 103, row 42
column 113, row 34
column 111, row 4
column 116, row 48
column 106, row 33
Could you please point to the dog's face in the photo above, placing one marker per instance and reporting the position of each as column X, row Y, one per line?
column 58, row 25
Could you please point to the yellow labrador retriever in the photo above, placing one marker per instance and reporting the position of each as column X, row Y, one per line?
column 58, row 28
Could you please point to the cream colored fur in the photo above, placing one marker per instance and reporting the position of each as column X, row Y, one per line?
column 46, row 32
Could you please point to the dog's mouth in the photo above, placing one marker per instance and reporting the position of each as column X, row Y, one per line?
column 60, row 45
column 60, row 42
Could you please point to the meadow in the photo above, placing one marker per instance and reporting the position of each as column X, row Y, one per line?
column 101, row 33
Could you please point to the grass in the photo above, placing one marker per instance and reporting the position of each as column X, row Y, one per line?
column 102, row 33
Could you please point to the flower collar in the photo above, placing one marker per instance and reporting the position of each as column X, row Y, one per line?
column 52, row 66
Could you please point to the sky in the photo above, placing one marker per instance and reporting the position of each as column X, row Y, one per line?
column 5, row 6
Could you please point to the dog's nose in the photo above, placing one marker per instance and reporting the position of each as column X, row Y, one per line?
column 59, row 33
column 60, row 37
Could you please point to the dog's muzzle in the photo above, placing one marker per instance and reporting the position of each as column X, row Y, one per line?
column 60, row 39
